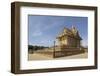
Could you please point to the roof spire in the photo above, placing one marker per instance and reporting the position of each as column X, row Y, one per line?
column 74, row 30
column 73, row 27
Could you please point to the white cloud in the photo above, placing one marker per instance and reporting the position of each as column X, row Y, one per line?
column 37, row 33
column 85, row 43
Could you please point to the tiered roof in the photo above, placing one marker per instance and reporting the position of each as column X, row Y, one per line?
column 73, row 32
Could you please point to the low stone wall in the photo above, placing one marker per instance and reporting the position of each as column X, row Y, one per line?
column 67, row 53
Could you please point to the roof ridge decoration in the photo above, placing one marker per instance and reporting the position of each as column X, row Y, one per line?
column 73, row 32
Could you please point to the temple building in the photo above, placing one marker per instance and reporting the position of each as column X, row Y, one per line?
column 69, row 38
column 69, row 43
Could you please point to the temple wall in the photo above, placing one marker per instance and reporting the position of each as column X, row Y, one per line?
column 70, row 42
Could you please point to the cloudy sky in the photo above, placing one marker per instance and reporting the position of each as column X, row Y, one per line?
column 43, row 30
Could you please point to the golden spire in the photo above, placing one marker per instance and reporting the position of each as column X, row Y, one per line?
column 74, row 30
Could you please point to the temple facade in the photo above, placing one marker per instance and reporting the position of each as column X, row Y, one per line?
column 69, row 38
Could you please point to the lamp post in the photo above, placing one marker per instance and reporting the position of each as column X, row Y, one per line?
column 54, row 49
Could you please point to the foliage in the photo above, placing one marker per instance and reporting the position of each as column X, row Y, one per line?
column 31, row 47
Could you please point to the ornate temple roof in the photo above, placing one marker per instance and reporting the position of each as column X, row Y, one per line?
column 73, row 32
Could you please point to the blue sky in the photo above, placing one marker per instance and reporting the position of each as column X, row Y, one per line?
column 43, row 30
